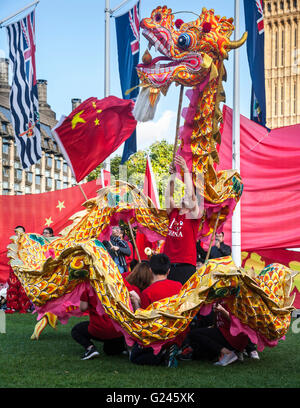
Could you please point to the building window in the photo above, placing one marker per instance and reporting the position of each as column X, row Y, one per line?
column 5, row 171
column 282, row 47
column 295, row 3
column 47, row 173
column 269, row 7
column 29, row 177
column 4, row 127
column 295, row 98
column 37, row 170
column 17, row 187
column 18, row 174
column 49, row 182
column 5, row 184
column 65, row 168
column 58, row 164
column 275, row 99
column 38, row 180
column 5, row 148
column 56, row 176
column 5, row 191
column 65, row 185
column 49, row 161
column 37, row 191
column 276, row 49
column 27, row 190
column 57, row 185
column 281, row 5
column 282, row 100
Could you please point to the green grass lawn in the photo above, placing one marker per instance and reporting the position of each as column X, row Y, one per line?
column 54, row 362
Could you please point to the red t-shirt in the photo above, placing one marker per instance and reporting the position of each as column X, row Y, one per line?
column 102, row 326
column 180, row 244
column 159, row 290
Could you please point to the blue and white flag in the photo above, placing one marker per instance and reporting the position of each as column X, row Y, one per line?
column 128, row 40
column 24, row 104
column 254, row 19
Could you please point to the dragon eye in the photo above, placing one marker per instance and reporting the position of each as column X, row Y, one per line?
column 158, row 17
column 184, row 41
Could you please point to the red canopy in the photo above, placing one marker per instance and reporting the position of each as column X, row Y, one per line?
column 270, row 170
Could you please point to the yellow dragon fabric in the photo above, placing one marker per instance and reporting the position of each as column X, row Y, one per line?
column 52, row 272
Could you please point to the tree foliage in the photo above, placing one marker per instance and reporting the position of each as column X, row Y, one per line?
column 133, row 171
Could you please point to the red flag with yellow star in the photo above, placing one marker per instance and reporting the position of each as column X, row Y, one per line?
column 93, row 131
column 37, row 211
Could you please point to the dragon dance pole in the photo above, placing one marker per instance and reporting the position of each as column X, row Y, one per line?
column 212, row 238
column 178, row 121
column 134, row 242
column 236, row 218
column 107, row 63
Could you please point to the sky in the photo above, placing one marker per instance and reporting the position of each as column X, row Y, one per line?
column 70, row 55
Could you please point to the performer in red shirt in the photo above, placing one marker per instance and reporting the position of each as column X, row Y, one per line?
column 161, row 288
column 180, row 244
column 101, row 327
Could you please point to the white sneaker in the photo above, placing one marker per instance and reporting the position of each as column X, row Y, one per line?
column 227, row 359
column 254, row 354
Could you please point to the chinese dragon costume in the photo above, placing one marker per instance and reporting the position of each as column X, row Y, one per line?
column 55, row 274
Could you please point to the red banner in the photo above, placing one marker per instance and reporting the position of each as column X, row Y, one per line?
column 270, row 168
column 37, row 211
column 270, row 203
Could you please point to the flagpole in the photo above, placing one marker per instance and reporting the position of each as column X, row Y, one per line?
column 18, row 12
column 236, row 218
column 107, row 63
column 108, row 14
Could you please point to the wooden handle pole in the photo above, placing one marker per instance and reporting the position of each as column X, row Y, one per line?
column 81, row 189
column 212, row 237
column 133, row 239
column 178, row 121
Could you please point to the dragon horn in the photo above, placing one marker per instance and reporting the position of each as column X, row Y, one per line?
column 236, row 44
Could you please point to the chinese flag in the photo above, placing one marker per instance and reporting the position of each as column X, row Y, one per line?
column 93, row 131
column 37, row 211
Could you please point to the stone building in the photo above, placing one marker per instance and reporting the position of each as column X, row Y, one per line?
column 282, row 62
column 51, row 172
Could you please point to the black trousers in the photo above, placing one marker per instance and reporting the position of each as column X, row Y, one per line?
column 111, row 347
column 145, row 356
column 207, row 342
column 181, row 272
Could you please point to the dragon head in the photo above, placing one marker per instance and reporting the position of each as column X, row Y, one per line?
column 191, row 52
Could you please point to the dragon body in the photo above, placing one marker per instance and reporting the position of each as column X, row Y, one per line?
column 55, row 274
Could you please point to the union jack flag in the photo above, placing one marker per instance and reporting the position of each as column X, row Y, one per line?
column 254, row 22
column 128, row 41
column 134, row 21
column 260, row 21
column 24, row 104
